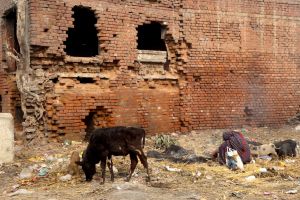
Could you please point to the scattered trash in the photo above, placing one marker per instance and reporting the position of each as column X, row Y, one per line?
column 263, row 170
column 126, row 186
column 292, row 191
column 50, row 158
column 196, row 174
column 67, row 142
column 174, row 134
column 14, row 187
column 34, row 167
column 118, row 187
column 172, row 169
column 250, row 178
column 281, row 163
column 65, row 178
column 236, row 194
column 290, row 161
column 43, row 165
column 193, row 197
column 75, row 142
column 60, row 160
column 268, row 158
column 36, row 159
column 20, row 191
column 267, row 193
column 17, row 164
column 208, row 177
column 43, row 171
column 297, row 128
column 244, row 131
column 289, row 178
column 25, row 173
column 233, row 160
column 2, row 172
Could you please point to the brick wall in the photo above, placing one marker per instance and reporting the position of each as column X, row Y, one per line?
column 246, row 55
column 10, row 97
column 230, row 63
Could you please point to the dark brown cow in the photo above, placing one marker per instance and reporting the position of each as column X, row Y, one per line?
column 114, row 141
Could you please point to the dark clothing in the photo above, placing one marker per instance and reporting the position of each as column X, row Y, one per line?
column 234, row 140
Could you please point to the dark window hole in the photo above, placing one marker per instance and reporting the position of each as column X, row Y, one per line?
column 197, row 78
column 55, row 80
column 82, row 40
column 97, row 118
column 131, row 68
column 150, row 37
column 248, row 111
column 116, row 62
column 9, row 36
column 86, row 80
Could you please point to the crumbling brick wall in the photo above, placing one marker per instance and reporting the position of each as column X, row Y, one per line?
column 122, row 89
column 229, row 63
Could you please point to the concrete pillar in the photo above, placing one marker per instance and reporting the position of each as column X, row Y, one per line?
column 6, row 138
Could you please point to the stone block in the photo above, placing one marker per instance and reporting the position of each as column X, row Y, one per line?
column 6, row 138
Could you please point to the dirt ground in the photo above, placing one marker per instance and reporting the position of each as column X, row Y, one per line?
column 185, row 181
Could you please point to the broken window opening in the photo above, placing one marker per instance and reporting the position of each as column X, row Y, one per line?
column 90, row 125
column 55, row 80
column 82, row 40
column 85, row 80
column 9, row 38
column 97, row 118
column 151, row 37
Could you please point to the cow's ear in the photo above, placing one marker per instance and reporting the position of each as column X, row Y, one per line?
column 79, row 163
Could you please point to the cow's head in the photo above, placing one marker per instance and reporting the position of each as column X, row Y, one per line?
column 88, row 168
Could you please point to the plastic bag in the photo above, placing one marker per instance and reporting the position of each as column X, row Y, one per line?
column 233, row 160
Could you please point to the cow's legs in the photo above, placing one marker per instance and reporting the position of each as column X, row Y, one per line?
column 134, row 161
column 143, row 160
column 103, row 166
column 294, row 152
column 110, row 166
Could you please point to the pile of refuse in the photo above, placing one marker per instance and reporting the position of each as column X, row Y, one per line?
column 49, row 168
column 46, row 165
column 177, row 154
